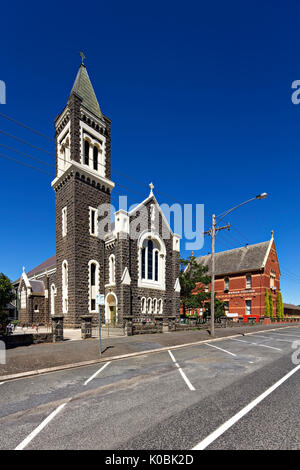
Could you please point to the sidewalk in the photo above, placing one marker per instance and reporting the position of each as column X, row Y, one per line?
column 42, row 356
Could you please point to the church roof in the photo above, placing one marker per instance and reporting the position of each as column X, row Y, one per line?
column 246, row 258
column 49, row 263
column 84, row 88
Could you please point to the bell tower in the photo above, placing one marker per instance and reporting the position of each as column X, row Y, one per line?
column 81, row 185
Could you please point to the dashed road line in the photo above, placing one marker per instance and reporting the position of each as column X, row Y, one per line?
column 96, row 373
column 284, row 334
column 40, row 427
column 228, row 424
column 191, row 387
column 256, row 344
column 224, row 350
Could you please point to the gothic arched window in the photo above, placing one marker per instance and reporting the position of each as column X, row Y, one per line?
column 150, row 260
column 112, row 269
column 93, row 284
column 95, row 158
column 86, row 151
column 65, row 286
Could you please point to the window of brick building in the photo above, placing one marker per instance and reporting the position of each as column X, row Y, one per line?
column 226, row 283
column 64, row 221
column 86, row 152
column 93, row 221
column 248, row 307
column 248, row 282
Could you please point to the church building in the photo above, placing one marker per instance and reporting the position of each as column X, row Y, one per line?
column 133, row 261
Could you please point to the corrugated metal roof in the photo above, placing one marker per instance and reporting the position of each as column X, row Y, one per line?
column 37, row 286
column 84, row 88
column 246, row 258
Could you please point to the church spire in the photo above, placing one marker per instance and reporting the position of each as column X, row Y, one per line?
column 84, row 88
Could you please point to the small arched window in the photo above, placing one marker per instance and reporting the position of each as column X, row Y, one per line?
column 160, row 306
column 149, row 305
column 65, row 286
column 95, row 158
column 86, row 151
column 112, row 269
column 93, row 284
column 154, row 305
column 143, row 305
column 226, row 283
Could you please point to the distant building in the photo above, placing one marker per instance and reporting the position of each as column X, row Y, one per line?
column 242, row 276
column 291, row 310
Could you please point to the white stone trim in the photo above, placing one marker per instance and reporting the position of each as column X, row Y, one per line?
column 107, row 311
column 65, row 280
column 93, row 290
column 126, row 279
column 151, row 283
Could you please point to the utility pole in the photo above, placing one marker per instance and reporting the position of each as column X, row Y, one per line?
column 212, row 232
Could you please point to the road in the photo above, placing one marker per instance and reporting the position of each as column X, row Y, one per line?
column 169, row 400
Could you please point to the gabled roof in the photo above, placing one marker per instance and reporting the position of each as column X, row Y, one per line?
column 246, row 258
column 84, row 88
column 49, row 263
column 37, row 287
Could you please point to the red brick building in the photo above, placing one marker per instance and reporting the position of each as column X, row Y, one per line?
column 243, row 275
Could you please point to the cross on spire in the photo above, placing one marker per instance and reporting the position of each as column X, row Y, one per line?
column 151, row 186
column 82, row 57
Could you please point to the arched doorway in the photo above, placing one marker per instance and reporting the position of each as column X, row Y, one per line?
column 111, row 304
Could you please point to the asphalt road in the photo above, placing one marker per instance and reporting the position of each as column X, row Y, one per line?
column 164, row 401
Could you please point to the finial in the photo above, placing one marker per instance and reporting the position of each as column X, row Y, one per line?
column 82, row 57
column 151, row 186
column 23, row 269
column 272, row 233
column 192, row 253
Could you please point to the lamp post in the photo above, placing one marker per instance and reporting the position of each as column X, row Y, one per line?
column 212, row 232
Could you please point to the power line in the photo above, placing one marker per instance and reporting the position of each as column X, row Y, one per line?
column 27, row 143
column 26, row 155
column 24, row 164
column 26, row 127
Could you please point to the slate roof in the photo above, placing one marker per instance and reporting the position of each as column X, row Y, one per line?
column 49, row 263
column 37, row 286
column 246, row 258
column 84, row 88
column 291, row 306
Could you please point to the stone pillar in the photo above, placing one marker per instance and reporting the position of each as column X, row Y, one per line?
column 128, row 328
column 86, row 326
column 57, row 328
column 172, row 324
column 159, row 323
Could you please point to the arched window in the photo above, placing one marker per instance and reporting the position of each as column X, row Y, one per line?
column 149, row 305
column 226, row 283
column 143, row 305
column 154, row 305
column 95, row 158
column 65, row 286
column 52, row 299
column 23, row 298
column 86, row 151
column 160, row 306
column 152, row 258
column 112, row 269
column 93, row 284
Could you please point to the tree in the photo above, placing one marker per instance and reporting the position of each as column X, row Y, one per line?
column 6, row 296
column 267, row 304
column 219, row 308
column 279, row 306
column 271, row 304
column 190, row 274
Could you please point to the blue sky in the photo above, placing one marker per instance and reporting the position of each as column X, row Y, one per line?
column 200, row 100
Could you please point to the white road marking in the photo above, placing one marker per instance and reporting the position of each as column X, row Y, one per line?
column 224, row 350
column 96, row 373
column 274, row 339
column 218, row 432
column 1, row 383
column 285, row 334
column 256, row 344
column 39, row 428
column 191, row 387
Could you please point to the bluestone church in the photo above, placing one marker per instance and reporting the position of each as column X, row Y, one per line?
column 134, row 261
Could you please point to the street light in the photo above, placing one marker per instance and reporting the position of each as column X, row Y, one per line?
column 212, row 232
